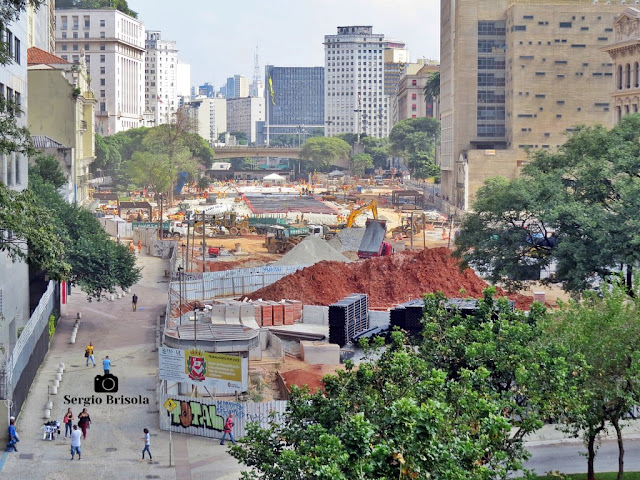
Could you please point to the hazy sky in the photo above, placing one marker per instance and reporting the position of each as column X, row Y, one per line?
column 219, row 37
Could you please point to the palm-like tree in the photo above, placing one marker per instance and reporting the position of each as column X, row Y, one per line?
column 432, row 88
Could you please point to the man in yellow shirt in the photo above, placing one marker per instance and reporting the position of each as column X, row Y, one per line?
column 88, row 354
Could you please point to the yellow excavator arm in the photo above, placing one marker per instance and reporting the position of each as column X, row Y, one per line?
column 356, row 212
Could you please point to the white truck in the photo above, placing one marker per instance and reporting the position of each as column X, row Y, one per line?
column 177, row 230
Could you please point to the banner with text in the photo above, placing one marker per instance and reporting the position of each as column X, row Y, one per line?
column 215, row 371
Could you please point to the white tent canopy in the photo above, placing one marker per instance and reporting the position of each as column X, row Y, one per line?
column 337, row 173
column 274, row 177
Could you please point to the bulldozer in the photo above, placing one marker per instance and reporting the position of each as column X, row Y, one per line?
column 281, row 239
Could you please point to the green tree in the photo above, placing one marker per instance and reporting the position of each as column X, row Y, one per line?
column 48, row 167
column 576, row 207
column 150, row 170
column 432, row 88
column 97, row 264
column 241, row 137
column 120, row 5
column 604, row 332
column 10, row 11
column 360, row 162
column 203, row 182
column 323, row 152
column 415, row 139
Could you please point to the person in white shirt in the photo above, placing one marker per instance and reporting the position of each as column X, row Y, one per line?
column 147, row 443
column 76, row 435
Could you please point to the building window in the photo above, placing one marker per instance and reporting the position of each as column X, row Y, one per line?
column 102, row 35
column 87, row 23
column 102, row 23
column 103, row 107
column 86, row 34
column 414, row 83
column 628, row 75
column 103, row 93
column 565, row 24
column 102, row 46
column 64, row 35
column 636, row 75
column 16, row 50
column 102, row 81
column 414, row 96
column 102, row 58
column 64, row 47
column 619, row 77
column 75, row 47
column 64, row 23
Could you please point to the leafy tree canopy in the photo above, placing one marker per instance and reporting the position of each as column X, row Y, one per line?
column 432, row 88
column 120, row 5
column 323, row 152
column 47, row 167
column 414, row 412
column 415, row 139
column 576, row 207
column 360, row 162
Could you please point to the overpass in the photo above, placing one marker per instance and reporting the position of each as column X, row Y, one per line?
column 241, row 151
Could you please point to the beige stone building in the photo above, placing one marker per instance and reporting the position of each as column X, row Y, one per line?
column 411, row 102
column 62, row 108
column 625, row 55
column 518, row 75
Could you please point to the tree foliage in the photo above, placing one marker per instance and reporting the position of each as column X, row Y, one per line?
column 97, row 264
column 415, row 139
column 323, row 152
column 47, row 167
column 604, row 332
column 360, row 162
column 10, row 11
column 576, row 207
column 432, row 88
column 120, row 5
column 416, row 413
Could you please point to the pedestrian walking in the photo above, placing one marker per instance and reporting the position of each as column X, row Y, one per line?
column 134, row 302
column 88, row 354
column 228, row 426
column 106, row 365
column 84, row 422
column 132, row 249
column 76, row 443
column 68, row 422
column 147, row 444
column 13, row 436
column 139, row 247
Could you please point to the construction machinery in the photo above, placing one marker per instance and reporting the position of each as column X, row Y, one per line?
column 371, row 206
column 281, row 239
column 373, row 244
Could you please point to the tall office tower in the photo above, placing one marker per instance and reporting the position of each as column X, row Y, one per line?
column 183, row 79
column 237, row 86
column 41, row 26
column 517, row 75
column 113, row 46
column 243, row 114
column 207, row 90
column 396, row 57
column 161, row 78
column 208, row 116
column 355, row 101
column 14, row 276
column 298, row 99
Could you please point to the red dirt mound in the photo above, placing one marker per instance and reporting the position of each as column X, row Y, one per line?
column 387, row 280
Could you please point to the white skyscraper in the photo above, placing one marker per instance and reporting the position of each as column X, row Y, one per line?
column 112, row 44
column 184, row 79
column 161, row 78
column 355, row 99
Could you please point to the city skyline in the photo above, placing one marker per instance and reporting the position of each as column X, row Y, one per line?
column 286, row 32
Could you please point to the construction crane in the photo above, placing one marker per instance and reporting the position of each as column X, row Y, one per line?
column 356, row 212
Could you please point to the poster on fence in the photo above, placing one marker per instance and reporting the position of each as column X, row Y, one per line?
column 215, row 371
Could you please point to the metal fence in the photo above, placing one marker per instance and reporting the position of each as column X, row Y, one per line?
column 29, row 351
column 205, row 417
column 229, row 283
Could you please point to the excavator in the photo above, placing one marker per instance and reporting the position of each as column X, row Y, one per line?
column 356, row 212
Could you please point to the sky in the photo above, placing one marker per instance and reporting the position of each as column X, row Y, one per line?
column 218, row 38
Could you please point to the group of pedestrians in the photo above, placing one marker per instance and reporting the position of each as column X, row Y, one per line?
column 84, row 422
column 89, row 356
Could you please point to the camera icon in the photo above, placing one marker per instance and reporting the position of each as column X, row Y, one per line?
column 105, row 383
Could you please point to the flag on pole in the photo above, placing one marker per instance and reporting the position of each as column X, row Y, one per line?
column 271, row 92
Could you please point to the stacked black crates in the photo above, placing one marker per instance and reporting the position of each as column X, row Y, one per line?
column 408, row 316
column 348, row 317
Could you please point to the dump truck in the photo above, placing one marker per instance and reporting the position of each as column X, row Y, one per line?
column 281, row 239
column 260, row 225
column 373, row 244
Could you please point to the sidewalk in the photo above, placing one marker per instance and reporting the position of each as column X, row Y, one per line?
column 112, row 449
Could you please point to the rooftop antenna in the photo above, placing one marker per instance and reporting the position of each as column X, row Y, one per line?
column 256, row 70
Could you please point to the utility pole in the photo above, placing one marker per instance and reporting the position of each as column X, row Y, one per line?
column 204, row 259
column 358, row 111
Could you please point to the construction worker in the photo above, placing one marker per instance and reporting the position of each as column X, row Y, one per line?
column 131, row 247
column 139, row 247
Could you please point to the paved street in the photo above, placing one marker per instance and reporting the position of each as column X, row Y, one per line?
column 113, row 446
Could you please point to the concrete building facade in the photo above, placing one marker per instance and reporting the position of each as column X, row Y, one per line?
column 355, row 99
column 625, row 55
column 243, row 114
column 161, row 78
column 41, row 26
column 237, row 87
column 208, row 116
column 517, row 75
column 62, row 87
column 298, row 99
column 411, row 101
column 113, row 46
column 14, row 279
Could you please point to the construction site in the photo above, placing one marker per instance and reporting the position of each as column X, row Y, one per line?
column 290, row 277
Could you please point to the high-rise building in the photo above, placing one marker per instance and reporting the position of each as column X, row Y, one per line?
column 411, row 101
column 41, row 26
column 237, row 87
column 243, row 114
column 396, row 57
column 517, row 75
column 355, row 101
column 298, row 99
column 208, row 116
column 14, row 276
column 207, row 90
column 161, row 78
column 113, row 46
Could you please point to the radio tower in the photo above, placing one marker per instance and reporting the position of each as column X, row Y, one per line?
column 257, row 86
